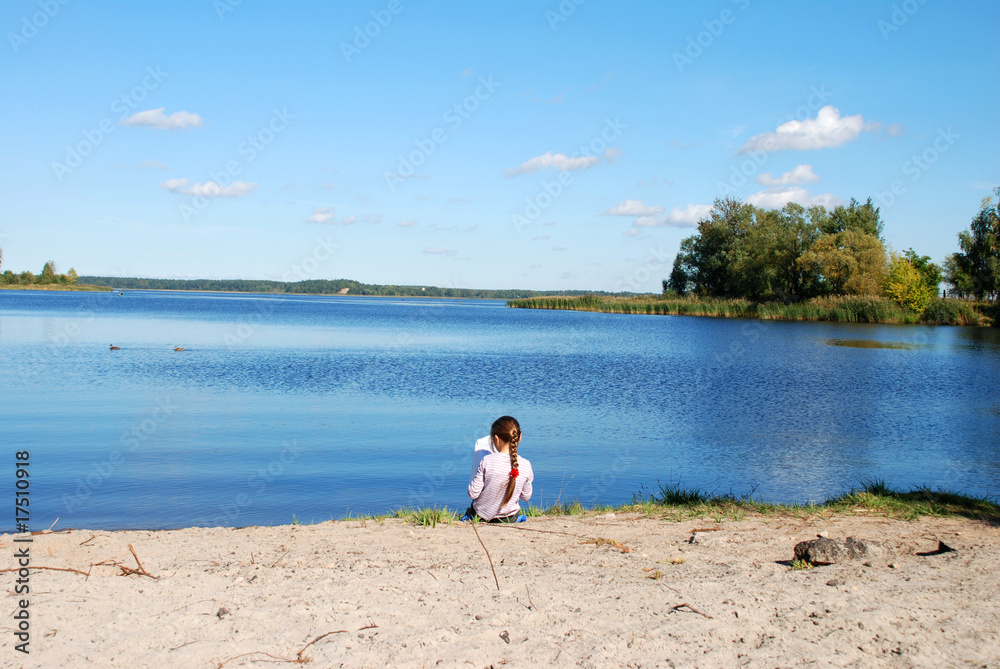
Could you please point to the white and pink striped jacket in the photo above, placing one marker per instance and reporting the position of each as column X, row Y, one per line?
column 489, row 484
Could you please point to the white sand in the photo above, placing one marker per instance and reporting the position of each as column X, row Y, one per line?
column 427, row 596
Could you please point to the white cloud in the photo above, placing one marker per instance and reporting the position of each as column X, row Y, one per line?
column 151, row 165
column 677, row 217
column 895, row 130
column 155, row 118
column 349, row 220
column 436, row 250
column 631, row 232
column 632, row 208
column 562, row 162
column 212, row 189
column 321, row 215
column 800, row 175
column 174, row 185
column 209, row 188
column 467, row 72
column 827, row 130
column 776, row 198
column 405, row 224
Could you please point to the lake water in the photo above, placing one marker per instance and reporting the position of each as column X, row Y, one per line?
column 319, row 407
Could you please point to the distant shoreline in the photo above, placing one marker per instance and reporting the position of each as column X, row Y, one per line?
column 84, row 287
column 321, row 287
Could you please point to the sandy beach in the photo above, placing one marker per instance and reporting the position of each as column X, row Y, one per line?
column 573, row 591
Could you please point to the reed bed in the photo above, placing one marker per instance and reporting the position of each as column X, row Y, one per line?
column 842, row 308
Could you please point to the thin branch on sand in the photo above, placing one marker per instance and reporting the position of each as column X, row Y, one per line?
column 299, row 658
column 141, row 571
column 487, row 555
column 690, row 608
column 532, row 529
column 88, row 540
column 34, row 567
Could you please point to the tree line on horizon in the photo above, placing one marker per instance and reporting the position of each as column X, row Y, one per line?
column 49, row 275
column 797, row 253
column 315, row 287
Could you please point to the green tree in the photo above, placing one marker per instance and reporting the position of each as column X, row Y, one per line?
column 847, row 263
column 26, row 278
column 711, row 258
column 48, row 274
column 960, row 283
column 855, row 216
column 678, row 281
column 930, row 272
column 774, row 244
column 977, row 265
column 72, row 276
column 907, row 285
column 9, row 277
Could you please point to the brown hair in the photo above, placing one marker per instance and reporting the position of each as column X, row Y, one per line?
column 509, row 431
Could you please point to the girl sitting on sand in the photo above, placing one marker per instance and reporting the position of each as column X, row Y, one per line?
column 500, row 479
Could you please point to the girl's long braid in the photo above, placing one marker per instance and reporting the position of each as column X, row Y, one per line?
column 515, row 437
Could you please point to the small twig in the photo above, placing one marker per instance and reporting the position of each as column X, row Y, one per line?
column 182, row 645
column 33, row 567
column 671, row 587
column 200, row 601
column 321, row 636
column 141, row 571
column 298, row 658
column 529, row 597
column 252, row 561
column 532, row 529
column 487, row 555
column 89, row 540
column 280, row 558
column 110, row 561
column 255, row 652
column 694, row 610
column 53, row 524
column 132, row 550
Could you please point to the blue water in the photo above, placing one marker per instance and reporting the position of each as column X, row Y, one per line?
column 324, row 406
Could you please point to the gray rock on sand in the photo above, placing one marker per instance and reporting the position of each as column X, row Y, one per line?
column 824, row 550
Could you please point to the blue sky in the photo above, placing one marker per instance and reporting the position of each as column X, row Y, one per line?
column 539, row 145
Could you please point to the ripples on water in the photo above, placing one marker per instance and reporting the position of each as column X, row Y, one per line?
column 319, row 406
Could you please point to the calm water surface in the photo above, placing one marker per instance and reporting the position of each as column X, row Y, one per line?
column 323, row 406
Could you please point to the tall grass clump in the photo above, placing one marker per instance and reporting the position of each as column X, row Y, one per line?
column 875, row 495
column 869, row 496
column 950, row 312
column 427, row 516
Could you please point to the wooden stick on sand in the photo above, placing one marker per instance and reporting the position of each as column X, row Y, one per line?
column 487, row 554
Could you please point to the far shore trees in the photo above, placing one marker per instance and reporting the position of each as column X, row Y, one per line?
column 797, row 254
column 975, row 270
column 49, row 275
column 788, row 254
